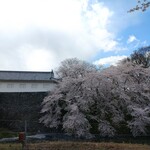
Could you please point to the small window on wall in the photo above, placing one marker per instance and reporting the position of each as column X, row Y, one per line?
column 45, row 85
column 34, row 85
column 10, row 85
column 22, row 85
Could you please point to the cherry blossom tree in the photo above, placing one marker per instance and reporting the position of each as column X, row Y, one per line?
column 62, row 107
column 75, row 68
column 134, row 89
column 88, row 100
column 141, row 5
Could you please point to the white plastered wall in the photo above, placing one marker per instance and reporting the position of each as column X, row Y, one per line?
column 6, row 86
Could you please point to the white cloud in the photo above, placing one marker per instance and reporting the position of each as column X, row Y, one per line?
column 36, row 13
column 131, row 39
column 112, row 60
column 135, row 42
column 36, row 59
column 37, row 35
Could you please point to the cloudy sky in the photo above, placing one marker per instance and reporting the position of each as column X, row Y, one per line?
column 36, row 35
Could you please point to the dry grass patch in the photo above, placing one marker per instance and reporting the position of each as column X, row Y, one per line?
column 86, row 146
column 75, row 146
column 10, row 146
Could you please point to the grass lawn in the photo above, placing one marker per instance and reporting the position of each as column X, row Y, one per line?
column 75, row 146
column 5, row 133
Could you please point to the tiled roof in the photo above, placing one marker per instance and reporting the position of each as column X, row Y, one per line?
column 26, row 75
